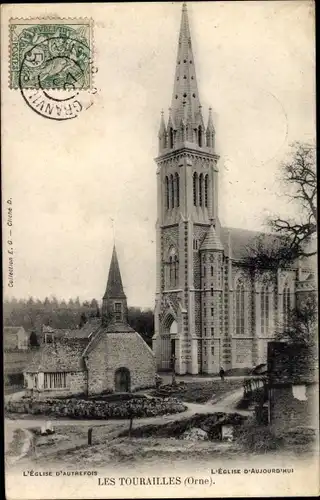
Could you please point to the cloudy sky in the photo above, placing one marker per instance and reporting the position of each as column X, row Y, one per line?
column 255, row 67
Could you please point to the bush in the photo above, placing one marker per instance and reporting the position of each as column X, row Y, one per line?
column 136, row 407
column 256, row 439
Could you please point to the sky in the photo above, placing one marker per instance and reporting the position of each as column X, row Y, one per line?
column 255, row 64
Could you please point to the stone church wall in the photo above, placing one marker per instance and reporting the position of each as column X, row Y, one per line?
column 121, row 350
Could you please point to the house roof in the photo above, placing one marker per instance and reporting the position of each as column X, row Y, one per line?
column 114, row 288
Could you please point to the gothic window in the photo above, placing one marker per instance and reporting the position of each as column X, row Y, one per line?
column 264, row 309
column 211, row 270
column 176, row 269
column 167, row 193
column 286, row 305
column 206, row 186
column 212, row 311
column 170, row 270
column 240, row 308
column 172, row 190
column 178, row 189
column 211, row 290
column 200, row 189
column 212, row 350
column 200, row 136
column 171, row 137
column 195, row 244
column 204, row 271
column 173, row 264
column 212, row 330
column 195, row 182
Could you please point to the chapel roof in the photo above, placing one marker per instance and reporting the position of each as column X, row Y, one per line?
column 54, row 357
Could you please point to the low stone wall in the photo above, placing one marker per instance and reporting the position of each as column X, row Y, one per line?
column 80, row 408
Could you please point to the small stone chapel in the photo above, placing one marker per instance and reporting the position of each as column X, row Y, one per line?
column 104, row 355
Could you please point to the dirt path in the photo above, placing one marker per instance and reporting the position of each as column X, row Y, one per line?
column 227, row 404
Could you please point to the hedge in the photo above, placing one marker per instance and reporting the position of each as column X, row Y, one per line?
column 77, row 408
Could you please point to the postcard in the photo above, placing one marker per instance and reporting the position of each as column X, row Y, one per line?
column 159, row 250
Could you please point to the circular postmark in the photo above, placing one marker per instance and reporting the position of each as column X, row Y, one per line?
column 55, row 77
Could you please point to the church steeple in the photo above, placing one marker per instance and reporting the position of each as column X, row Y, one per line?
column 185, row 104
column 114, row 302
column 185, row 98
column 185, row 123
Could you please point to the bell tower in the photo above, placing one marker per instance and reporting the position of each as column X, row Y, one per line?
column 187, row 206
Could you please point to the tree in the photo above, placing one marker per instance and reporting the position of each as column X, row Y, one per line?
column 83, row 320
column 301, row 327
column 291, row 238
column 33, row 339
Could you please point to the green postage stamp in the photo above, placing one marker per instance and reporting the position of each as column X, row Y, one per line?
column 53, row 54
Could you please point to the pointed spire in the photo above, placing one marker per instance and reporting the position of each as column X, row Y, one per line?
column 162, row 128
column 210, row 126
column 185, row 91
column 210, row 132
column 212, row 241
column 114, row 288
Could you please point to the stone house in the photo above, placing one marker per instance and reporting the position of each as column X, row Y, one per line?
column 104, row 355
column 15, row 338
column 293, row 386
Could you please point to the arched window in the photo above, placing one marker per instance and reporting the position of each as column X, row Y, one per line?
column 170, row 270
column 176, row 270
column 178, row 189
column 200, row 190
column 206, row 186
column 171, row 137
column 200, row 136
column 286, row 298
column 172, row 190
column 195, row 182
column 167, row 193
column 239, row 308
column 264, row 307
column 173, row 268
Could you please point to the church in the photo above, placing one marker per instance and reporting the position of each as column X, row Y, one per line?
column 105, row 355
column 208, row 312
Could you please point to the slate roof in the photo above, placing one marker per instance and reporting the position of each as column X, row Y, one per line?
column 211, row 241
column 88, row 329
column 239, row 240
column 114, row 288
column 54, row 358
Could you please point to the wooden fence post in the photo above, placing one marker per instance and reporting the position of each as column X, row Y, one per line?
column 90, row 436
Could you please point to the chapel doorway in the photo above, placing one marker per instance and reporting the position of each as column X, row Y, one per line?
column 122, row 380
